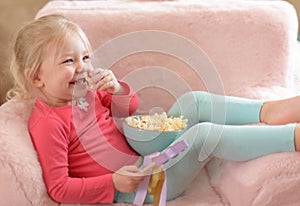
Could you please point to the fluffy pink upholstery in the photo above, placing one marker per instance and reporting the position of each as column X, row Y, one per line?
column 269, row 180
column 249, row 44
column 239, row 37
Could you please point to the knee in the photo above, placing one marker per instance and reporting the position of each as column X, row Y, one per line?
column 206, row 137
column 192, row 94
column 204, row 131
column 187, row 102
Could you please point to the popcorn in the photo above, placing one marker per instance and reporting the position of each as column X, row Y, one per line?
column 158, row 122
column 91, row 85
column 88, row 79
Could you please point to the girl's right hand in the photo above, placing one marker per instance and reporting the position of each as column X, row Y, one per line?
column 127, row 178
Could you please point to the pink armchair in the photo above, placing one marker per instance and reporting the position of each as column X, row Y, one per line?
column 166, row 48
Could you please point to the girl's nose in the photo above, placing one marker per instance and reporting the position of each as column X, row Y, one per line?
column 82, row 67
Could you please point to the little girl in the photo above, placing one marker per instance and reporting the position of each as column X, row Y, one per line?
column 82, row 151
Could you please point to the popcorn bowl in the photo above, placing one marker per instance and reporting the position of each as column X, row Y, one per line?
column 145, row 141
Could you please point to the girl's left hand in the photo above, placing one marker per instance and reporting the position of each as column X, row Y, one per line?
column 105, row 80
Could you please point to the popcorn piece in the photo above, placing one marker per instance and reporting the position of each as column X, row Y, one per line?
column 88, row 79
column 91, row 85
column 158, row 122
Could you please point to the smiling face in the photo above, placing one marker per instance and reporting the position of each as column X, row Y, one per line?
column 62, row 74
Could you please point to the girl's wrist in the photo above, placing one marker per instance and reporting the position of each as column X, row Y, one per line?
column 123, row 89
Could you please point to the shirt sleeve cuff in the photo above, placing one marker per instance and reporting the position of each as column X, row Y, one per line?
column 128, row 90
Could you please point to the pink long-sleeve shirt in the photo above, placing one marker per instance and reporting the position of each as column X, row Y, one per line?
column 79, row 150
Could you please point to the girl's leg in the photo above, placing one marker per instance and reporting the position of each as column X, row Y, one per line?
column 206, row 140
column 201, row 106
column 237, row 143
column 281, row 111
column 122, row 197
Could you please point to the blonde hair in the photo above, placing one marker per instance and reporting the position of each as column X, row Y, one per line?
column 30, row 49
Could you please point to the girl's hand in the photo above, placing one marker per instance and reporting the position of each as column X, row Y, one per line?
column 105, row 80
column 128, row 178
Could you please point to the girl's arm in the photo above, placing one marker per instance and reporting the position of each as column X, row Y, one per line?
column 51, row 143
column 120, row 105
column 115, row 95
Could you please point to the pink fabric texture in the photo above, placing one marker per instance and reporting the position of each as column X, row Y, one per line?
column 269, row 180
column 246, row 43
column 238, row 37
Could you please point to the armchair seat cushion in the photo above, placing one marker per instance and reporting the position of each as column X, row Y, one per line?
column 269, row 180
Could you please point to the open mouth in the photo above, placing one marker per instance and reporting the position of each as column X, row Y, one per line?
column 80, row 81
column 79, row 86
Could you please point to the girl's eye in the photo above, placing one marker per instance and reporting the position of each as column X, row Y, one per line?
column 85, row 58
column 68, row 61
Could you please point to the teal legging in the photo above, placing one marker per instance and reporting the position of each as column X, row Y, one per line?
column 217, row 128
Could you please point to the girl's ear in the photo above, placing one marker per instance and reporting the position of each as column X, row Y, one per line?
column 35, row 81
